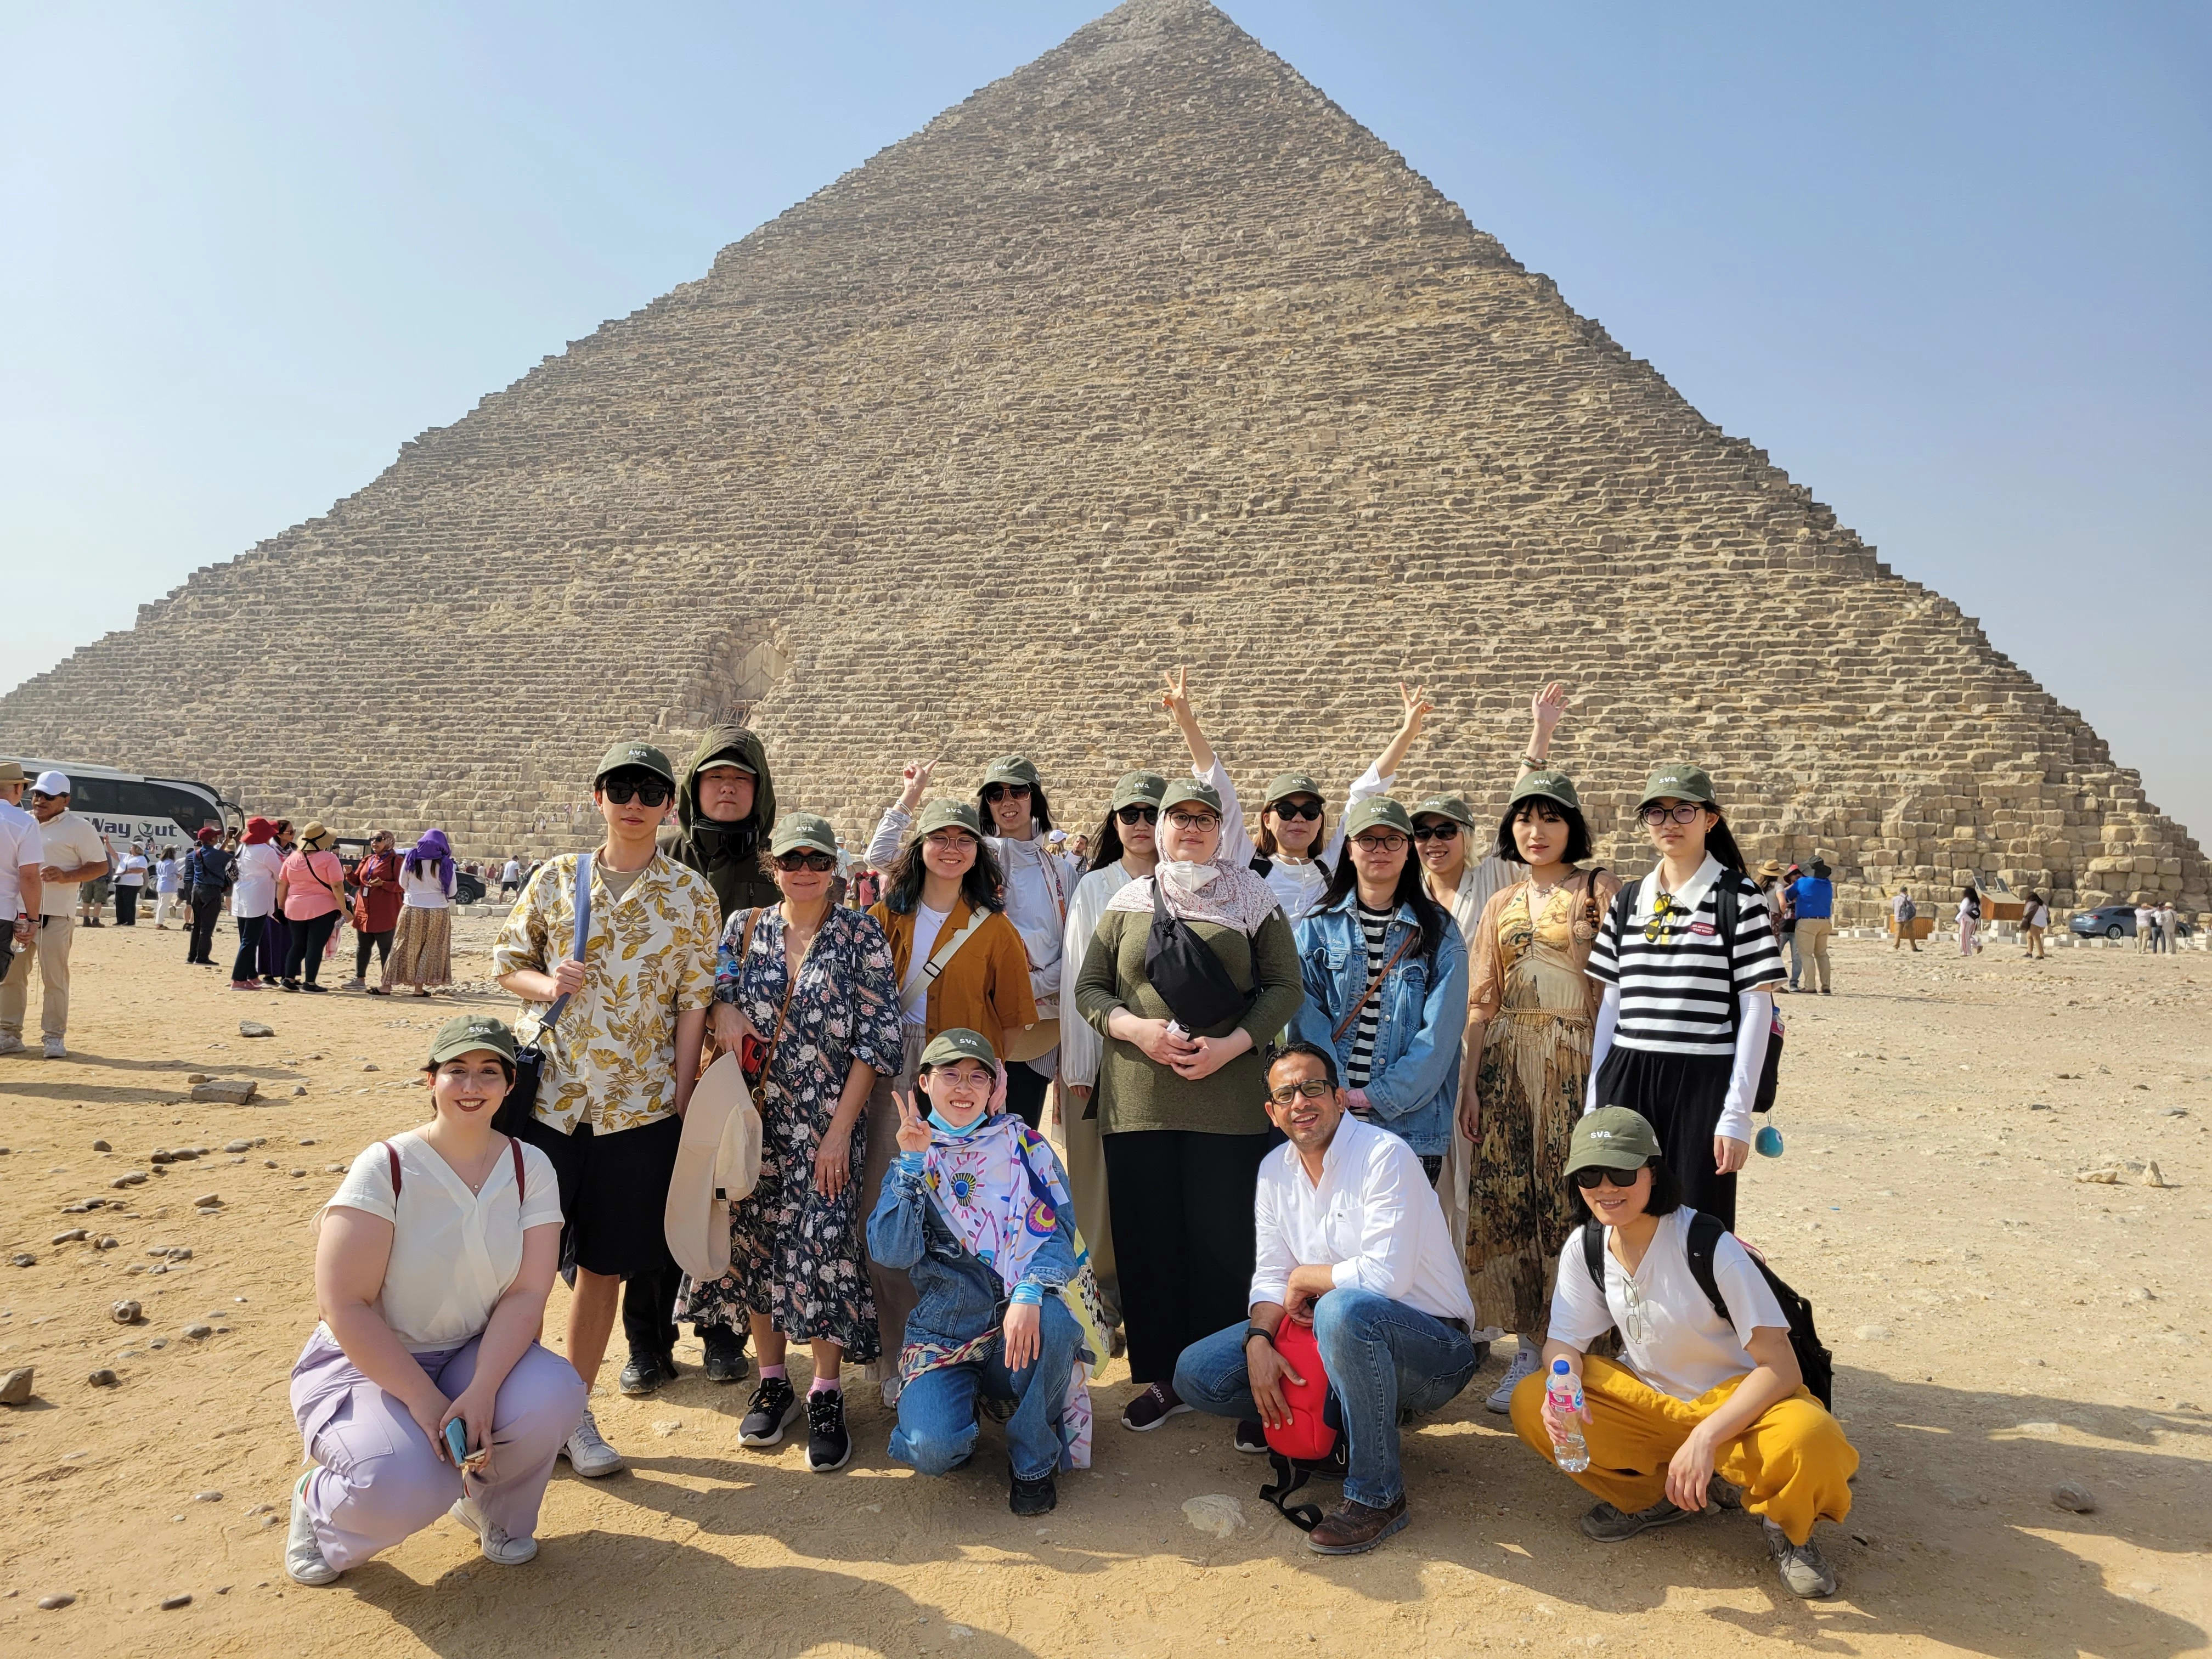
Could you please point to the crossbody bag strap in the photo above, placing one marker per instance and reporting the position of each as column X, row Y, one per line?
column 582, row 934
column 918, row 971
column 1373, row 985
column 391, row 1157
column 1727, row 914
column 514, row 1148
column 790, row 987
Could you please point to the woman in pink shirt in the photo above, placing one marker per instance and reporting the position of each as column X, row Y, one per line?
column 311, row 894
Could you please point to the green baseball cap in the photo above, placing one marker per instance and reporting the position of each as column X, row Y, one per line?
column 1612, row 1138
column 630, row 752
column 1550, row 785
column 958, row 1044
column 1680, row 780
column 1185, row 792
column 1376, row 813
column 466, row 1033
column 1011, row 769
column 1137, row 789
column 1454, row 807
column 948, row 812
column 799, row 830
column 1284, row 785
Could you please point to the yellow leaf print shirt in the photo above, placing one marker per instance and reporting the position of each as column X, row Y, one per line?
column 610, row 1058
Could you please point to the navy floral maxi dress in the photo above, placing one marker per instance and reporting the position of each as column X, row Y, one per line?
column 794, row 1254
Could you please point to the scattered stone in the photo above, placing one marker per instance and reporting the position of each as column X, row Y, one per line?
column 171, row 1603
column 107, row 1241
column 22, row 1259
column 306, row 1141
column 180, row 1253
column 2142, row 1293
column 197, row 1077
column 254, row 1028
column 206, row 1498
column 101, row 1147
column 2154, row 1177
column 334, row 1169
column 70, row 1236
column 238, row 1145
column 159, row 1156
column 1216, row 1513
column 2110, row 1172
column 372, row 1066
column 299, row 1089
column 1872, row 1333
column 198, row 1331
column 133, row 1178
column 15, row 1386
column 207, row 1201
column 126, row 1312
column 299, row 1172
column 159, row 1343
column 102, row 1378
column 227, row 1091
column 2073, row 1495
column 54, row 1603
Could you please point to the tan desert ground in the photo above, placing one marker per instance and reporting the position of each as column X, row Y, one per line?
column 2001, row 1328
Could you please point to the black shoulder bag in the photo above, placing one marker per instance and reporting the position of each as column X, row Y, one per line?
column 1188, row 976
column 530, row 1063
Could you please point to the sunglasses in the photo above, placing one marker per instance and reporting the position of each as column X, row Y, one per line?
column 1290, row 809
column 820, row 863
column 623, row 791
column 1138, row 814
column 1193, row 820
column 1437, row 832
column 1661, row 908
column 1313, row 1089
column 1390, row 843
column 995, row 793
column 1656, row 815
column 1587, row 1178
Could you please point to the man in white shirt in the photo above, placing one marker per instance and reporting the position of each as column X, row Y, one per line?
column 22, row 855
column 510, row 877
column 1349, row 1236
column 73, row 852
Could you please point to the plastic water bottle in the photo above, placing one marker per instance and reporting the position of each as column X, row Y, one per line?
column 1565, row 1390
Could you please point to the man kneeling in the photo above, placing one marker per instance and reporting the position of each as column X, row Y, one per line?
column 976, row 1209
column 1350, row 1239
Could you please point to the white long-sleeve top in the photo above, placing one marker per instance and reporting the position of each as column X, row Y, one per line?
column 1078, row 1044
column 1372, row 1218
column 1299, row 886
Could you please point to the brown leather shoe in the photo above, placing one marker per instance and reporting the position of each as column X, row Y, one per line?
column 1352, row 1527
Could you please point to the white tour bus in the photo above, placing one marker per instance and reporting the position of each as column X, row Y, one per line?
column 156, row 812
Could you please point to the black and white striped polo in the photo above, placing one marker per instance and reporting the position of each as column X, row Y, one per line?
column 1360, row 1063
column 1677, row 990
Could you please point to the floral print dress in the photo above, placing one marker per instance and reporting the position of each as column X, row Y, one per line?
column 796, row 1255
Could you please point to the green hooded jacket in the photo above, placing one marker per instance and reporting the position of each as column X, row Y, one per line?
column 727, row 855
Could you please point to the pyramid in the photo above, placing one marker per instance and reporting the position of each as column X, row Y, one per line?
column 1146, row 354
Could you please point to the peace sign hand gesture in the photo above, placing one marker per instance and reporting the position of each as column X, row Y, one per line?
column 914, row 778
column 1418, row 706
column 1175, row 697
column 913, row 1128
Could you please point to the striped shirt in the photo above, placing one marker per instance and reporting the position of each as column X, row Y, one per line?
column 1677, row 992
column 1375, row 925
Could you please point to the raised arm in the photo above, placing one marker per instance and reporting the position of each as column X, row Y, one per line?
column 1378, row 777
column 1546, row 710
column 1175, row 697
column 890, row 830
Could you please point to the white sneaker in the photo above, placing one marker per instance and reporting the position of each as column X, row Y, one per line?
column 57, row 1049
column 496, row 1545
column 1523, row 1366
column 303, row 1556
column 1802, row 1567
column 587, row 1454
column 890, row 1388
column 11, row 1043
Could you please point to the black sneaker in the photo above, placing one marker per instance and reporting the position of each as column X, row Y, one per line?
column 773, row 1409
column 1038, row 1497
column 1251, row 1438
column 1151, row 1406
column 828, row 1446
column 646, row 1372
column 726, row 1354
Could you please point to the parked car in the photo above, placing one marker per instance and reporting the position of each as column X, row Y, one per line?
column 2106, row 921
column 468, row 888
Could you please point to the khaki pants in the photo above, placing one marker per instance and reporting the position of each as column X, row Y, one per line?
column 894, row 1290
column 52, row 951
column 1813, row 942
column 1082, row 1148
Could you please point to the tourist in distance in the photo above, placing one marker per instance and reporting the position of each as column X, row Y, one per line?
column 1813, row 902
column 73, row 852
column 724, row 811
column 22, row 857
column 510, row 876
column 1682, row 1032
column 311, row 896
column 620, row 1062
column 958, row 964
column 276, row 931
column 1969, row 918
column 1350, row 1239
column 130, row 882
column 433, row 1261
column 1533, row 1012
column 1017, row 819
column 2169, row 928
column 422, row 948
column 1904, row 911
column 208, row 872
column 253, row 903
column 2034, row 918
column 807, row 985
column 1699, row 1409
column 379, row 896
column 1386, row 984
column 1181, row 1082
column 92, row 897
column 1768, row 880
column 168, row 887
column 977, row 1209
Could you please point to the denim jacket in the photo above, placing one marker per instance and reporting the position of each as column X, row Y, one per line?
column 1413, row 1089
column 960, row 1296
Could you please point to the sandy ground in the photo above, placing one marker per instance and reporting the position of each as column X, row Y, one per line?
column 1999, row 1327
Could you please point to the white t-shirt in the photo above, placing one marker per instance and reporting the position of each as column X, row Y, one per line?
column 20, row 845
column 255, row 893
column 453, row 1252
column 1684, row 1348
column 511, row 874
column 420, row 889
column 168, row 874
column 928, row 924
column 132, row 872
column 69, row 842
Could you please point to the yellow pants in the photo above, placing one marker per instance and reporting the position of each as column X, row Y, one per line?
column 1793, row 1464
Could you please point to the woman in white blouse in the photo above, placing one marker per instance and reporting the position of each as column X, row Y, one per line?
column 433, row 1261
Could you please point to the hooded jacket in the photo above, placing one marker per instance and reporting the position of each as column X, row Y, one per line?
column 727, row 855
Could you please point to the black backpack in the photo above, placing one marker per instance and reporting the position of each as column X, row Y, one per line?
column 1727, row 915
column 1189, row 978
column 1814, row 1359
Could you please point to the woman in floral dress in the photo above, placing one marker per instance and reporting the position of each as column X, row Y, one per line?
column 808, row 984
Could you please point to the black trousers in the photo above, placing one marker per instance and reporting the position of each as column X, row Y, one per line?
column 1679, row 1095
column 304, row 949
column 247, row 965
column 126, row 907
column 1181, row 1204
column 1025, row 1087
column 363, row 943
column 207, row 910
column 648, row 1309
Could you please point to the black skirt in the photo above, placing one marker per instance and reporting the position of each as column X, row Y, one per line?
column 1679, row 1095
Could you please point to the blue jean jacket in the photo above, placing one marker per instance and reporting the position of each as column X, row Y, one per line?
column 960, row 1294
column 1413, row 1089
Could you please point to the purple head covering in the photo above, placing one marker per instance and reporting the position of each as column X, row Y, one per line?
column 432, row 848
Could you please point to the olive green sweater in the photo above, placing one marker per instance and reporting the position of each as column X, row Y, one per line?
column 1134, row 1092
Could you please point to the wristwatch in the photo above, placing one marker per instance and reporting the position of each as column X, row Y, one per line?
column 1265, row 1335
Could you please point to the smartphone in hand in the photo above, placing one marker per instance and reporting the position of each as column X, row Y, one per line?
column 456, row 1442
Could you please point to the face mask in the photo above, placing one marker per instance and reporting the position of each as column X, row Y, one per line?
column 952, row 1132
column 1189, row 878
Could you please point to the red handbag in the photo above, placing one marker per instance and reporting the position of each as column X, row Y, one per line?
column 1311, row 1441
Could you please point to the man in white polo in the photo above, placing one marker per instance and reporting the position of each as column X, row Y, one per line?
column 22, row 855
column 73, row 852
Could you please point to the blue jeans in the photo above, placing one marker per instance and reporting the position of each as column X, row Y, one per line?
column 937, row 1410
column 1382, row 1357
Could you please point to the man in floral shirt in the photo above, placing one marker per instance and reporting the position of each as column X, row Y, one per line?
column 621, row 1059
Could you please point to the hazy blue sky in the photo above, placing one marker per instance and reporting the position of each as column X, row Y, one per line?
column 1951, row 266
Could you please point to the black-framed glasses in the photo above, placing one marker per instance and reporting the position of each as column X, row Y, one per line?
column 1587, row 1178
column 1138, row 814
column 819, row 863
column 1656, row 815
column 1446, row 831
column 1193, row 820
column 1291, row 808
column 1313, row 1089
column 651, row 792
column 1393, row 842
column 995, row 793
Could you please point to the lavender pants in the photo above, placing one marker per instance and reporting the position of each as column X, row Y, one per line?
column 381, row 1481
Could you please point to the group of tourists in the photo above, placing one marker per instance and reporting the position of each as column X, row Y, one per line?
column 1331, row 1093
